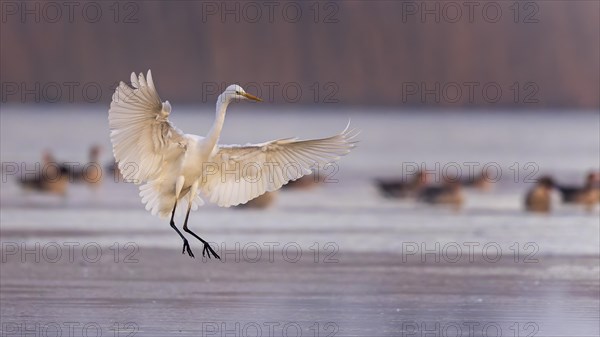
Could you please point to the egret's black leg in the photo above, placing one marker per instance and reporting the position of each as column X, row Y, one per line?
column 207, row 247
column 186, row 245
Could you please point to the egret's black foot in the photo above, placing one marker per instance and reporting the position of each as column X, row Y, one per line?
column 186, row 247
column 208, row 250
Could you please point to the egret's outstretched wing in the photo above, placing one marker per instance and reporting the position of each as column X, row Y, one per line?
column 141, row 133
column 237, row 174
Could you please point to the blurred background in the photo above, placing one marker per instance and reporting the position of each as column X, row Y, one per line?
column 480, row 123
column 368, row 51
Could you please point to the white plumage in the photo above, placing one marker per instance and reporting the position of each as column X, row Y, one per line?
column 268, row 166
column 176, row 166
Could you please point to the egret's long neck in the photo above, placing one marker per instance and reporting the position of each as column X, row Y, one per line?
column 215, row 131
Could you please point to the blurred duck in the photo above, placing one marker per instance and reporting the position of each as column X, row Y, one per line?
column 303, row 183
column 449, row 193
column 51, row 178
column 401, row 188
column 260, row 202
column 539, row 197
column 480, row 182
column 587, row 195
column 114, row 171
column 90, row 173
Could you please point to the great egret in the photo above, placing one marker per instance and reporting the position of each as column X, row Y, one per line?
column 177, row 166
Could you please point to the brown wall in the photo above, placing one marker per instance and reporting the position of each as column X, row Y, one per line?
column 374, row 52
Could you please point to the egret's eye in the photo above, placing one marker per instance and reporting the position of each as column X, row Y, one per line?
column 237, row 92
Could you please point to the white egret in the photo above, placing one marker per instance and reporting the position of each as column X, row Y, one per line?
column 175, row 166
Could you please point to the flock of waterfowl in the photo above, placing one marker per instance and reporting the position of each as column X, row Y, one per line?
column 420, row 188
column 54, row 177
column 540, row 197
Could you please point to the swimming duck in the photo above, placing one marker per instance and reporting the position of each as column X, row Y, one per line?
column 539, row 197
column 481, row 182
column 90, row 173
column 50, row 178
column 587, row 195
column 401, row 188
column 449, row 193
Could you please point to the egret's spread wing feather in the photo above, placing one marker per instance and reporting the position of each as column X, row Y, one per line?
column 237, row 174
column 141, row 133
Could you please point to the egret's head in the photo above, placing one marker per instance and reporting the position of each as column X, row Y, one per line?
column 235, row 92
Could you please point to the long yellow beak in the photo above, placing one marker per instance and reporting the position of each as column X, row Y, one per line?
column 251, row 97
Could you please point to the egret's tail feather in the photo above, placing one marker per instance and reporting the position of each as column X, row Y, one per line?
column 160, row 201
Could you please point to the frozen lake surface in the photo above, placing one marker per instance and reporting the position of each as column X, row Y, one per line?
column 490, row 263
column 349, row 210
